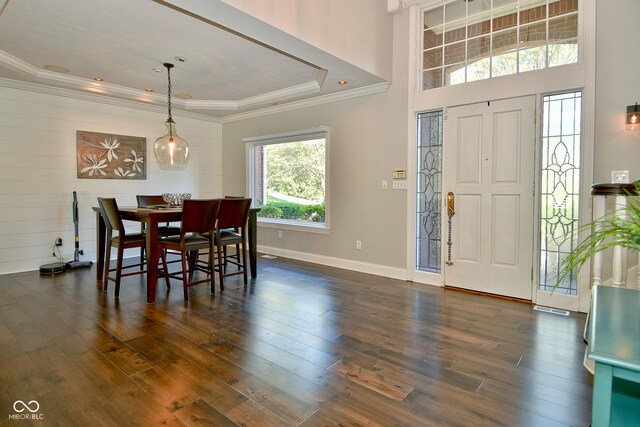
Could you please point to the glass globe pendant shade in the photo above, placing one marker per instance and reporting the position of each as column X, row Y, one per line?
column 171, row 150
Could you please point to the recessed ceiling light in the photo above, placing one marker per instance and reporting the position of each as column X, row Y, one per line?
column 157, row 70
column 148, row 90
column 182, row 96
column 181, row 59
column 98, row 79
column 56, row 68
column 342, row 82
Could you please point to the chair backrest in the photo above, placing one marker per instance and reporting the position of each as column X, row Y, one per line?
column 150, row 200
column 233, row 213
column 199, row 216
column 111, row 213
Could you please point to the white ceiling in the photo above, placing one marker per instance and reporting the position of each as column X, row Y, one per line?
column 226, row 73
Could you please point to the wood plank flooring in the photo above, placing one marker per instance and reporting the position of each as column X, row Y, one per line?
column 302, row 345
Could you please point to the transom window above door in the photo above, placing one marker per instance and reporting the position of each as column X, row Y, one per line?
column 469, row 40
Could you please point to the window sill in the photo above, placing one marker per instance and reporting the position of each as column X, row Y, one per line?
column 320, row 228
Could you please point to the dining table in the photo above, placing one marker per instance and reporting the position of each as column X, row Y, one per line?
column 152, row 216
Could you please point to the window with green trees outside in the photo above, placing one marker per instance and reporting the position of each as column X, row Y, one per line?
column 288, row 177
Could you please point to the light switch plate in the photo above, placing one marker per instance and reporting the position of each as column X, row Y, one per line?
column 400, row 184
column 620, row 177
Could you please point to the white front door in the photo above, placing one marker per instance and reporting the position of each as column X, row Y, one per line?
column 489, row 167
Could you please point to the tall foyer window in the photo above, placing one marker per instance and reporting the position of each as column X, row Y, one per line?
column 560, row 188
column 288, row 177
column 464, row 41
column 429, row 191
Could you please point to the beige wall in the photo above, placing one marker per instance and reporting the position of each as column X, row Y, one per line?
column 368, row 139
column 617, row 85
column 38, row 171
column 356, row 31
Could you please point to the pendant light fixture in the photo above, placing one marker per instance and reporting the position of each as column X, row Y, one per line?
column 171, row 151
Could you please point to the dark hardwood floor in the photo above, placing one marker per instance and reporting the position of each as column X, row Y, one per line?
column 303, row 345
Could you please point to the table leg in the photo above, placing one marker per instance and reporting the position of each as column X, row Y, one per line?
column 253, row 238
column 153, row 256
column 601, row 401
column 101, row 241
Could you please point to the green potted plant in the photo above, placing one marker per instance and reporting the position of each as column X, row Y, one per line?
column 618, row 228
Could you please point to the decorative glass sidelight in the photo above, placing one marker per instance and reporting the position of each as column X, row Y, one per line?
column 560, row 188
column 429, row 191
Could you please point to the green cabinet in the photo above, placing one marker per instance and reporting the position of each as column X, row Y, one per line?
column 614, row 346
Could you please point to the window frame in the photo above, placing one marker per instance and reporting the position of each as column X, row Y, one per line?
column 281, row 138
column 441, row 70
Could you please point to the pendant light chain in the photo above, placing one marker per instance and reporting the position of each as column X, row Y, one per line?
column 171, row 150
column 169, row 66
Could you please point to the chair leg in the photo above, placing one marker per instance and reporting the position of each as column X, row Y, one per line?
column 244, row 263
column 142, row 258
column 192, row 260
column 238, row 255
column 119, row 270
column 165, row 268
column 212, row 272
column 107, row 266
column 220, row 267
column 185, row 276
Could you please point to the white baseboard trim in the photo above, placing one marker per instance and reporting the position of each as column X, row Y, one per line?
column 362, row 267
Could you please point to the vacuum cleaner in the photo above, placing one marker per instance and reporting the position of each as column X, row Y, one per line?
column 60, row 267
column 76, row 263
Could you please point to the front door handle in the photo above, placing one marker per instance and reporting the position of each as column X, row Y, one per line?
column 451, row 204
column 451, row 211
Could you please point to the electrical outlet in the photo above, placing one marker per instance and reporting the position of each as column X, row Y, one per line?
column 358, row 244
column 279, row 234
column 58, row 241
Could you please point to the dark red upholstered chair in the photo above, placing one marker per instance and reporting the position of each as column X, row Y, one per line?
column 198, row 222
column 165, row 230
column 231, row 230
column 111, row 214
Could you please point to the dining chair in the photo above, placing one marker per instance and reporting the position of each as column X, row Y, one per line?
column 198, row 222
column 148, row 200
column 113, row 221
column 231, row 230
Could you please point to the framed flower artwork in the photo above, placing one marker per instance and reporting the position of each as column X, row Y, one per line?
column 107, row 156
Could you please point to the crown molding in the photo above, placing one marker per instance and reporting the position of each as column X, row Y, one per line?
column 265, row 98
column 144, row 105
column 107, row 89
column 318, row 100
column 77, row 83
column 141, row 104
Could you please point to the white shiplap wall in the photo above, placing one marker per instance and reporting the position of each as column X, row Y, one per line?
column 38, row 171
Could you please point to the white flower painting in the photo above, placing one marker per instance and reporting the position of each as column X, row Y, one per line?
column 105, row 156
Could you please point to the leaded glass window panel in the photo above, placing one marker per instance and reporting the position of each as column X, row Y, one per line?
column 560, row 188
column 429, row 191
